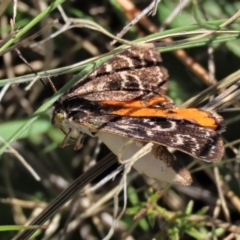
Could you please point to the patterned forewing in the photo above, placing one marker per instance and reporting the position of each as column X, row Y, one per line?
column 133, row 73
column 200, row 142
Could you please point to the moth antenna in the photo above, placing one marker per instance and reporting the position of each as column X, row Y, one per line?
column 51, row 84
column 49, row 80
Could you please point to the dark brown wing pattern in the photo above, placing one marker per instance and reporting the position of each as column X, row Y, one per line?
column 200, row 142
column 130, row 74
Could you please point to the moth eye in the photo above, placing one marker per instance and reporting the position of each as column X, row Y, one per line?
column 60, row 116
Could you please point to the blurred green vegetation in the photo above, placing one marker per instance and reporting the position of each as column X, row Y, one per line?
column 154, row 211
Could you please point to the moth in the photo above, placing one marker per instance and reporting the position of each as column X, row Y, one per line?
column 125, row 99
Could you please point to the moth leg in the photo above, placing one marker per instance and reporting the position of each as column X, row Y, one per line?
column 79, row 142
column 63, row 143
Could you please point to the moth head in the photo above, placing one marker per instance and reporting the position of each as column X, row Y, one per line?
column 58, row 114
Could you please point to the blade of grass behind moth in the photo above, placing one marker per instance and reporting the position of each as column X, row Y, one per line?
column 69, row 193
column 32, row 23
column 204, row 95
column 228, row 97
column 25, row 42
column 3, row 41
